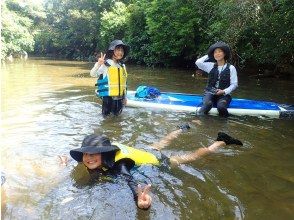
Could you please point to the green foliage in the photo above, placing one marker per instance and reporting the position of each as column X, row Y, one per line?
column 269, row 37
column 260, row 31
column 18, row 20
column 136, row 33
column 172, row 27
column 71, row 30
column 160, row 32
column 113, row 23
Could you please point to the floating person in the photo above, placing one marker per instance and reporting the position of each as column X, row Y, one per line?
column 112, row 78
column 222, row 78
column 101, row 157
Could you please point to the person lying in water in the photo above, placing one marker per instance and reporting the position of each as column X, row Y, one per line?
column 101, row 156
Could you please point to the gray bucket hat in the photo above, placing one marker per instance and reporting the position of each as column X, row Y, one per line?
column 93, row 144
column 223, row 46
column 116, row 43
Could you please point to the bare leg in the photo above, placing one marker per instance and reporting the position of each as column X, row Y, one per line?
column 166, row 140
column 196, row 121
column 201, row 152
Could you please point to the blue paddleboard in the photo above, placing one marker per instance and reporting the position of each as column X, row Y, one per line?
column 192, row 102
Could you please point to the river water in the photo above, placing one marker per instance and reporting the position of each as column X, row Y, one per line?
column 48, row 106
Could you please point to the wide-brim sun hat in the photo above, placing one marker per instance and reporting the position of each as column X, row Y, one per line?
column 223, row 46
column 93, row 144
column 116, row 43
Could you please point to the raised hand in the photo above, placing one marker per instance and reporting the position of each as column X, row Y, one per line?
column 63, row 160
column 144, row 200
column 101, row 59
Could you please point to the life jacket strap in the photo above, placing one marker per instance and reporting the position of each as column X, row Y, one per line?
column 107, row 64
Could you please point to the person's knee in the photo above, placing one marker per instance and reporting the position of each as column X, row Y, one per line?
column 207, row 103
column 222, row 108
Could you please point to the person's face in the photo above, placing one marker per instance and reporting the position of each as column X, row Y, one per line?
column 218, row 54
column 118, row 53
column 92, row 161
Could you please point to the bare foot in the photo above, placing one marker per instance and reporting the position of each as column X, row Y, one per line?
column 196, row 121
column 174, row 161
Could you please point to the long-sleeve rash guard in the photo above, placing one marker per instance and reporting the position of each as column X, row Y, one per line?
column 207, row 67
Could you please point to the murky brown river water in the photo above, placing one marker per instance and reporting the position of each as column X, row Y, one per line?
column 48, row 106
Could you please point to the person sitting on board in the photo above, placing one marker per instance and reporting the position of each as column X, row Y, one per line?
column 101, row 157
column 222, row 78
column 112, row 78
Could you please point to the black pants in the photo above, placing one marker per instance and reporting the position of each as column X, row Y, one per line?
column 221, row 102
column 109, row 105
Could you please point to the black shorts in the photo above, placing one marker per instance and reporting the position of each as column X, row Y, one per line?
column 110, row 105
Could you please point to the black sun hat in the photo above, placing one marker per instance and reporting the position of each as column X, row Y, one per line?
column 93, row 144
column 116, row 43
column 223, row 46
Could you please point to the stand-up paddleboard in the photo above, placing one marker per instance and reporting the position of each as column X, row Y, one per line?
column 192, row 102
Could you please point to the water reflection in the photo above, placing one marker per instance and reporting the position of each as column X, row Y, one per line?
column 49, row 106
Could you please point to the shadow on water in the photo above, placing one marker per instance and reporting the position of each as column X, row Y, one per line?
column 234, row 183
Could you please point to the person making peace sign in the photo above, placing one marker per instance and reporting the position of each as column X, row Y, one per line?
column 101, row 157
column 112, row 78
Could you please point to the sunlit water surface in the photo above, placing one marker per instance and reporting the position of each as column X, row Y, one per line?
column 48, row 107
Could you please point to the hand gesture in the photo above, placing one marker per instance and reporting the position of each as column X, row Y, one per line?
column 101, row 59
column 220, row 92
column 63, row 160
column 144, row 200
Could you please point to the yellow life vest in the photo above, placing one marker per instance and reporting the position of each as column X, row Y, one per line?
column 139, row 157
column 115, row 83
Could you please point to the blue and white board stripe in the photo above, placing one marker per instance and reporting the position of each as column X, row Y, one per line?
column 192, row 102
